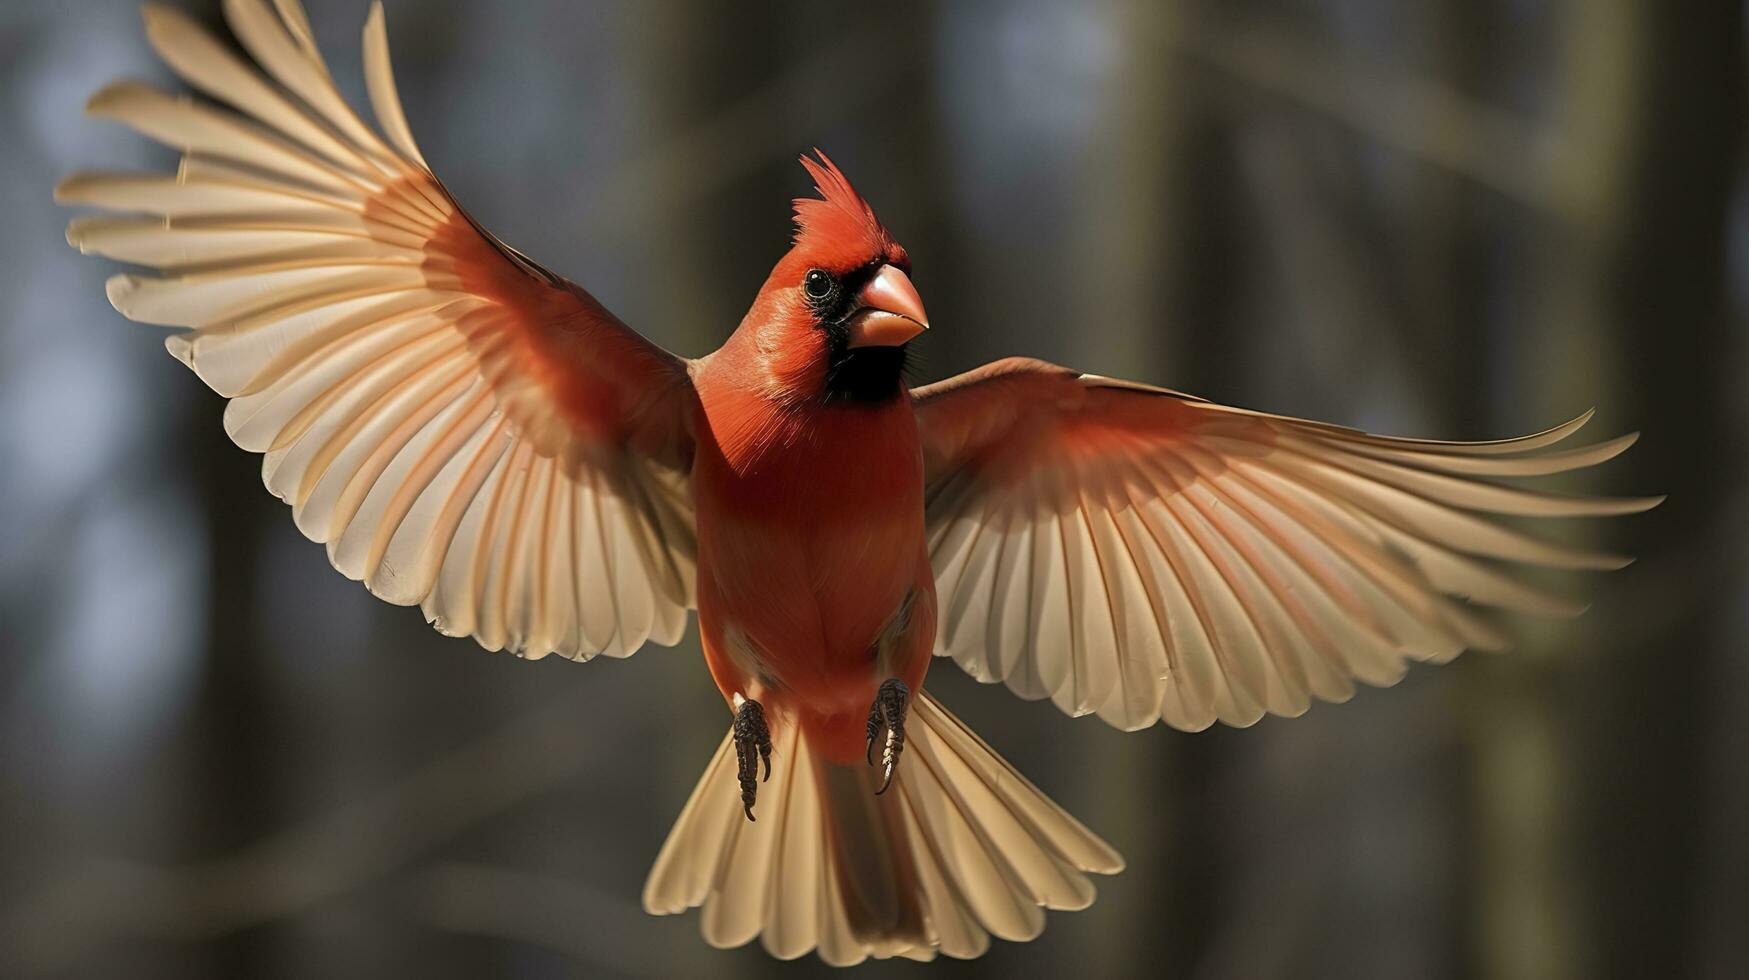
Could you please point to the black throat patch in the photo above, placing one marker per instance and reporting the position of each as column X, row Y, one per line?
column 868, row 375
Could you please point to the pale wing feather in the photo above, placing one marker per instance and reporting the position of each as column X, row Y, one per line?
column 324, row 277
column 204, row 132
column 288, row 57
column 1049, row 651
column 210, row 67
column 1146, row 555
column 379, row 76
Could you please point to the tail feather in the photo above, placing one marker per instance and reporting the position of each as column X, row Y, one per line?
column 963, row 848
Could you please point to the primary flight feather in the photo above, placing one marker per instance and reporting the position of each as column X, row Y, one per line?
column 467, row 431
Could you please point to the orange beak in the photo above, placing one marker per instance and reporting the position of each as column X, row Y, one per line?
column 889, row 312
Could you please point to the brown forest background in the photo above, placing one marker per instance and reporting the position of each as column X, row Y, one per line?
column 1452, row 218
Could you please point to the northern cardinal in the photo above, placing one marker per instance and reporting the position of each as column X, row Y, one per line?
column 468, row 431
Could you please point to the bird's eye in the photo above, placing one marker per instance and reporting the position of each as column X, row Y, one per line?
column 819, row 284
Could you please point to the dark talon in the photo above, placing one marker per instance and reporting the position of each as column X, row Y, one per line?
column 751, row 734
column 888, row 711
column 874, row 728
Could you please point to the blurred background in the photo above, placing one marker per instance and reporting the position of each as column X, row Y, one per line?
column 1447, row 218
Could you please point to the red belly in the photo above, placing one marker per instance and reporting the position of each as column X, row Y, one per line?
column 810, row 542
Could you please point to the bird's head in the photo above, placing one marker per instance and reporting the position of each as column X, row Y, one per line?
column 834, row 317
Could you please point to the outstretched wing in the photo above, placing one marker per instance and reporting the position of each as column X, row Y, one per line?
column 464, row 429
column 1147, row 555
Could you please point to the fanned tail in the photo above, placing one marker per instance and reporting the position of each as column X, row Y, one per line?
column 963, row 848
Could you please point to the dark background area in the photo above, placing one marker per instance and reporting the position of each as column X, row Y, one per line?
column 1449, row 218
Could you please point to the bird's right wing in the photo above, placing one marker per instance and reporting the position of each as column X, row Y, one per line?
column 1148, row 555
column 464, row 429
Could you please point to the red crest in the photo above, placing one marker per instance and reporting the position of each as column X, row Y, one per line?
column 839, row 228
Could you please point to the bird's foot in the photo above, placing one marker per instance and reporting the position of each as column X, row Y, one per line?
column 752, row 744
column 891, row 703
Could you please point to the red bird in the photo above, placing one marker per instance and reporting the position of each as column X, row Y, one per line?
column 468, row 431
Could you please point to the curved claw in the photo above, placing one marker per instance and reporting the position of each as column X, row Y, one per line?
column 886, row 780
column 752, row 745
column 891, row 704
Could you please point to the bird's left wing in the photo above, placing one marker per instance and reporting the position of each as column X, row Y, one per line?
column 464, row 429
column 1148, row 555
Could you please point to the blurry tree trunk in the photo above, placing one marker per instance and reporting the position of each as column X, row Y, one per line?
column 234, row 786
column 1653, row 111
column 1447, row 284
column 1639, row 188
column 1138, row 212
column 1527, row 903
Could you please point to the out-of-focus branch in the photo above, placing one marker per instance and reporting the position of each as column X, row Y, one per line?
column 330, row 854
column 1341, row 311
column 744, row 136
column 560, row 914
column 1403, row 110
